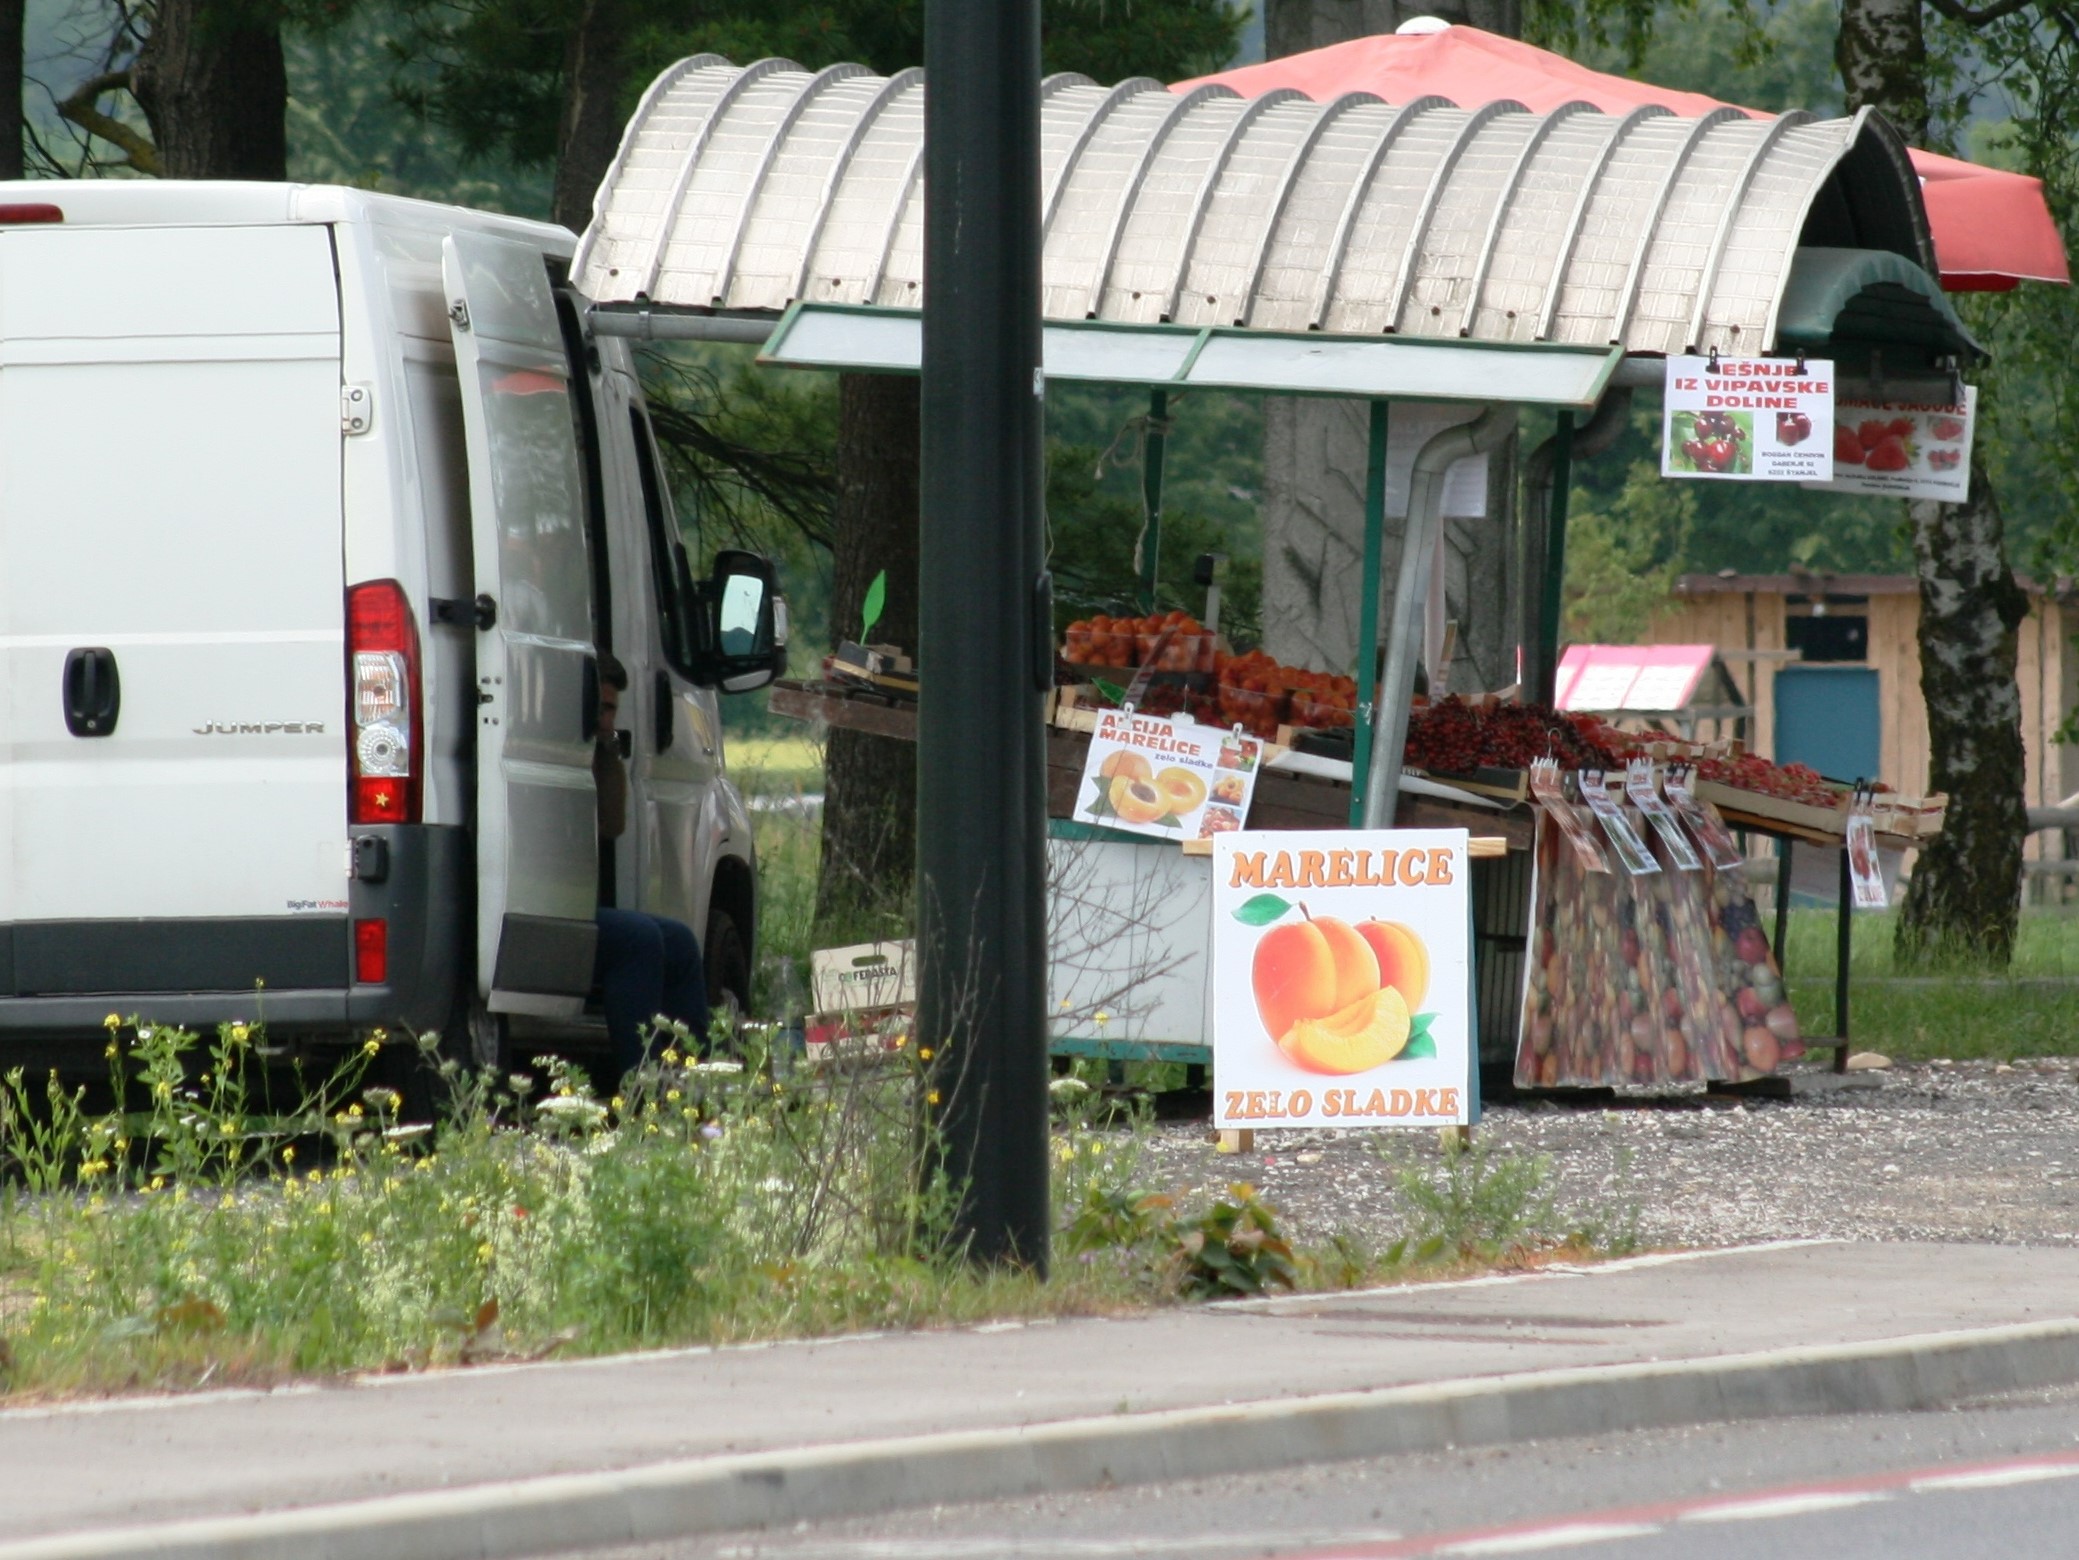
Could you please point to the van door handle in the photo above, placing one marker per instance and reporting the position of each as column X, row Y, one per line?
column 661, row 693
column 93, row 692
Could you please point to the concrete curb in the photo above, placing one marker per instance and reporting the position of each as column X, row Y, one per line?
column 863, row 1478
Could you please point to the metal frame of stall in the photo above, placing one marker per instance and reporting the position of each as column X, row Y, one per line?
column 1169, row 360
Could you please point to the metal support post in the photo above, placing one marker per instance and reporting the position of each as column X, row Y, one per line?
column 1368, row 608
column 985, row 628
column 1152, row 449
column 1844, row 924
column 1554, row 583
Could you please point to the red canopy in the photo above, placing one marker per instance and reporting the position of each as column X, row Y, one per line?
column 1992, row 229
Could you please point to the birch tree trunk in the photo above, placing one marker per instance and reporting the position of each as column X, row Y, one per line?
column 1964, row 899
column 1965, row 896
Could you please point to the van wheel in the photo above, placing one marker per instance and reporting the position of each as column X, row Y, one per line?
column 728, row 971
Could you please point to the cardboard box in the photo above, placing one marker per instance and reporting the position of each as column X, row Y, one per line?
column 864, row 976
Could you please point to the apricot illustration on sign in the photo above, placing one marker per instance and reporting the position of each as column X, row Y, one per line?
column 1181, row 789
column 1136, row 800
column 1403, row 960
column 1368, row 1033
column 1337, row 998
column 1132, row 790
column 1310, row 968
column 1125, row 762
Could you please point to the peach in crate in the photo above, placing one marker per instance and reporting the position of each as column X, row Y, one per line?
column 1313, row 707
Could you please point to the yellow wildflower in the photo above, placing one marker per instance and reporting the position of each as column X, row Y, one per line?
column 931, row 1098
column 483, row 1252
column 239, row 1032
column 289, row 1154
column 370, row 1046
column 672, row 1095
column 112, row 1023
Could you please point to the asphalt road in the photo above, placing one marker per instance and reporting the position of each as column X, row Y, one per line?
column 1995, row 1479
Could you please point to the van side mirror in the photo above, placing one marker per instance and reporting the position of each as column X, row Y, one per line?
column 745, row 623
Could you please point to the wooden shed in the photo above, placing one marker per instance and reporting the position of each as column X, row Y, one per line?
column 1831, row 665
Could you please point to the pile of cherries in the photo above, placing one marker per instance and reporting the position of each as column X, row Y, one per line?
column 1452, row 736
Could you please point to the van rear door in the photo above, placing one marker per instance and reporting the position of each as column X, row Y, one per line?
column 172, row 689
column 537, row 832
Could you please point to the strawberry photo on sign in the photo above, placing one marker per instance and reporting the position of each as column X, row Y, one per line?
column 1904, row 449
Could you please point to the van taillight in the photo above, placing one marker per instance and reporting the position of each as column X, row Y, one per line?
column 384, row 761
column 14, row 212
column 371, row 952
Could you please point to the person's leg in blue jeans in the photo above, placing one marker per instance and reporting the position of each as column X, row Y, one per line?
column 647, row 966
column 685, row 979
column 629, row 969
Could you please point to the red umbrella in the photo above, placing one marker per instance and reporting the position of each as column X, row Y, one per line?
column 1992, row 229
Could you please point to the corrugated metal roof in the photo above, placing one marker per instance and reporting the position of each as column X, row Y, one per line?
column 750, row 188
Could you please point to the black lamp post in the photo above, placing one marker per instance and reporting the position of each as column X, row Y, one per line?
column 985, row 639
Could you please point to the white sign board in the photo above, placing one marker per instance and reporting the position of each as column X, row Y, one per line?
column 1748, row 419
column 1905, row 449
column 1342, row 979
column 1170, row 778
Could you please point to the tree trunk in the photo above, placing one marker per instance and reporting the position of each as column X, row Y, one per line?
column 210, row 78
column 590, row 131
column 1882, row 56
column 1964, row 899
column 1965, row 896
column 12, row 13
column 870, row 783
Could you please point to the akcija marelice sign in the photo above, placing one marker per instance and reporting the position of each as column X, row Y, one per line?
column 1342, row 981
column 1748, row 419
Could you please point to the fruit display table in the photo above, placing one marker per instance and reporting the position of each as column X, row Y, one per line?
column 1129, row 917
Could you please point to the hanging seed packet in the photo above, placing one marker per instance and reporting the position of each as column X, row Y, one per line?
column 1720, row 848
column 1639, row 786
column 1547, row 787
column 1865, row 875
column 1632, row 853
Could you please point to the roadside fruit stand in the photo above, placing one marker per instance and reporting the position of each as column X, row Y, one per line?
column 1487, row 259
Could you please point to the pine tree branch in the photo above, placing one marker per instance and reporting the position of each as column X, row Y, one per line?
column 138, row 149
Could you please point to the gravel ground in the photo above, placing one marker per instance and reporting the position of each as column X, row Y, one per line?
column 1963, row 1151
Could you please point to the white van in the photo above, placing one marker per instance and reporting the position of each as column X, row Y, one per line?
column 316, row 509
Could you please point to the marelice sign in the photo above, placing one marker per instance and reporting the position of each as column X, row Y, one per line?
column 1341, row 979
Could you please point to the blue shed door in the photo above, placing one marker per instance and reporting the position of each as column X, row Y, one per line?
column 1828, row 717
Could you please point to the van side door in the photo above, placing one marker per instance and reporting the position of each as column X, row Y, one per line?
column 677, row 733
column 537, row 683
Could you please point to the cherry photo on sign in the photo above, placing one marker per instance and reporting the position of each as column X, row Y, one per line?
column 1793, row 427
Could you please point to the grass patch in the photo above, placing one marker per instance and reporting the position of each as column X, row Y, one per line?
column 790, row 765
column 190, row 1241
column 2032, row 1009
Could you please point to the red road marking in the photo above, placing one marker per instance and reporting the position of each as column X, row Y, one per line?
column 1662, row 1513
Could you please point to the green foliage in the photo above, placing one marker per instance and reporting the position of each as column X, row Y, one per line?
column 492, row 71
column 1484, row 1207
column 1621, row 562
column 346, row 126
column 1232, row 1250
column 1751, row 527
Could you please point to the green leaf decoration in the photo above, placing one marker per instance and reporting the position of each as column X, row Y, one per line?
column 1421, row 1044
column 1111, row 691
column 1100, row 805
column 1419, row 1029
column 1170, row 821
column 876, row 599
column 1261, row 910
